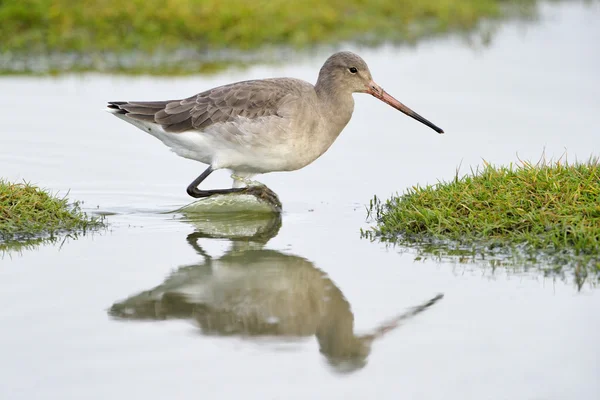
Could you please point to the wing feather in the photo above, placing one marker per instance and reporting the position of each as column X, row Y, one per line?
column 248, row 99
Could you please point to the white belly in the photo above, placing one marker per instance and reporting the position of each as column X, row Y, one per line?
column 260, row 145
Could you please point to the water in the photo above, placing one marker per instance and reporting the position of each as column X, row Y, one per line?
column 255, row 309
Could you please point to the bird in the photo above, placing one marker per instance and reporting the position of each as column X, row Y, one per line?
column 259, row 126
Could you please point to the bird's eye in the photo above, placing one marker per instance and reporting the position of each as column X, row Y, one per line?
column 353, row 70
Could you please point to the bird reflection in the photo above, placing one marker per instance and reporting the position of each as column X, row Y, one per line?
column 255, row 292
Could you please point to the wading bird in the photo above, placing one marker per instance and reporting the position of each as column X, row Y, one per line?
column 259, row 126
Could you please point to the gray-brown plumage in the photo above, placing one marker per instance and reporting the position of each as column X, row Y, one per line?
column 248, row 99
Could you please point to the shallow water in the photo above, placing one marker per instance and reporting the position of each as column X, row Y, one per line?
column 262, row 308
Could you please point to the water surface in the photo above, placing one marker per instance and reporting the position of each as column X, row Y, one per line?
column 256, row 309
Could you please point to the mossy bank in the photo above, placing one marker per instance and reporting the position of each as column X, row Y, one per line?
column 110, row 27
column 30, row 215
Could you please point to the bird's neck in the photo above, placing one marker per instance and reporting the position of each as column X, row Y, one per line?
column 336, row 105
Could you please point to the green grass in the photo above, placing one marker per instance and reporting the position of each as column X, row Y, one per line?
column 29, row 216
column 96, row 26
column 548, row 208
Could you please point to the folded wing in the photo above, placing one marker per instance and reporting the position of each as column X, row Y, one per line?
column 248, row 99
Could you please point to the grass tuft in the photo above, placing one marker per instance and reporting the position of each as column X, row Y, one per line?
column 29, row 216
column 546, row 207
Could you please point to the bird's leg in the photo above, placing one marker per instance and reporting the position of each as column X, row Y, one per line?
column 195, row 192
column 246, row 181
column 257, row 189
column 260, row 191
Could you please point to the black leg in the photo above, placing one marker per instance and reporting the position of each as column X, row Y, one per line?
column 193, row 190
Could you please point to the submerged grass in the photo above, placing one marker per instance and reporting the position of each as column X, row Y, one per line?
column 549, row 208
column 97, row 26
column 29, row 216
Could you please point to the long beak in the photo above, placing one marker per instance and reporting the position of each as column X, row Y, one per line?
column 376, row 90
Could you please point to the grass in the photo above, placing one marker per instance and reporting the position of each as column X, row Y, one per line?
column 97, row 26
column 30, row 216
column 549, row 208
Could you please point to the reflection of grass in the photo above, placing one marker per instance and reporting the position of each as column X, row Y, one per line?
column 65, row 26
column 30, row 216
column 547, row 209
column 565, row 265
column 57, row 63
